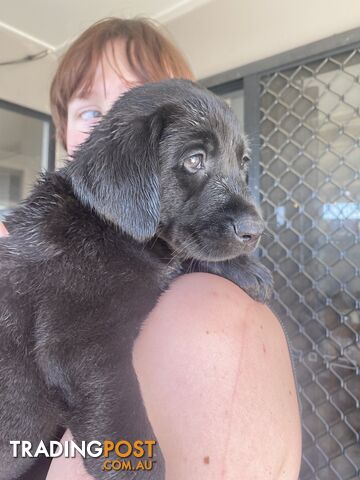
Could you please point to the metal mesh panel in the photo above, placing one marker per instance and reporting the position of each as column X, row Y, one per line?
column 310, row 186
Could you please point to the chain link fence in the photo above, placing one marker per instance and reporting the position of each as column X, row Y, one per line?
column 310, row 189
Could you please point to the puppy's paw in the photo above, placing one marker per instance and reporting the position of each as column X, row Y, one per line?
column 246, row 272
column 256, row 280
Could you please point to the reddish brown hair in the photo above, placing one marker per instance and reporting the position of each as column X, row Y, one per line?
column 151, row 56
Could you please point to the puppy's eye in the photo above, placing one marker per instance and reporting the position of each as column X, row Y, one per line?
column 195, row 162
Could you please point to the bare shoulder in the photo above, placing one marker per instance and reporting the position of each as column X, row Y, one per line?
column 208, row 296
column 223, row 348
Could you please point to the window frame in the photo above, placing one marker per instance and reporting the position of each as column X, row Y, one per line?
column 46, row 118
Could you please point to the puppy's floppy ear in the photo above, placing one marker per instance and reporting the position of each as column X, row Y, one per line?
column 116, row 172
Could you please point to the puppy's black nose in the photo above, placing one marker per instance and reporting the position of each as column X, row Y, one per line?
column 248, row 229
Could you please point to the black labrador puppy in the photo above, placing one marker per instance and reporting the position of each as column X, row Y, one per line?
column 159, row 188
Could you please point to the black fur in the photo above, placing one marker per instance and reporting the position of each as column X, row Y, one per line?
column 93, row 247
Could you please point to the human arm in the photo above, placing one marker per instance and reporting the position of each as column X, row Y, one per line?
column 3, row 231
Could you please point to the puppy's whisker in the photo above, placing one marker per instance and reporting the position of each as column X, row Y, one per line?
column 184, row 247
column 179, row 253
column 154, row 240
column 156, row 237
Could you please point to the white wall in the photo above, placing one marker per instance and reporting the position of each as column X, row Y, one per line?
column 217, row 36
column 225, row 34
column 25, row 84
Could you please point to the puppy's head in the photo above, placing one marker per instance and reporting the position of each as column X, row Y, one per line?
column 169, row 159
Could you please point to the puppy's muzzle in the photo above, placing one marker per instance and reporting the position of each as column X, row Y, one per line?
column 248, row 230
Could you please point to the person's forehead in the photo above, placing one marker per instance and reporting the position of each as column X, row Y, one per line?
column 107, row 79
column 114, row 62
column 112, row 72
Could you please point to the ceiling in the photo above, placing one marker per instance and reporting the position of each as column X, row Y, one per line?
column 214, row 35
column 53, row 24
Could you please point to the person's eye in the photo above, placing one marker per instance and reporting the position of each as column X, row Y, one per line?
column 90, row 115
column 195, row 162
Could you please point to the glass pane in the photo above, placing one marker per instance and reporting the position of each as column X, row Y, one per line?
column 310, row 158
column 236, row 101
column 23, row 153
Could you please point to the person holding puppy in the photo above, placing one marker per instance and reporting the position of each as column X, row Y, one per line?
column 213, row 365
